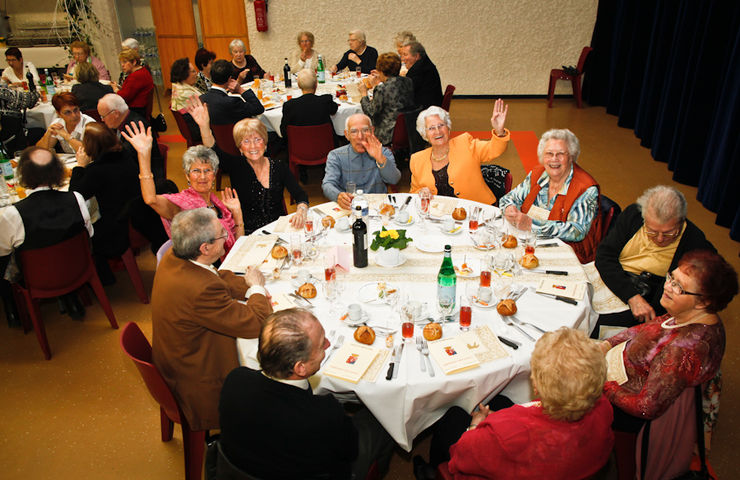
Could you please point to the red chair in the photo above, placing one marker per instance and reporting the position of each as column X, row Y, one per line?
column 309, row 145
column 443, row 473
column 507, row 182
column 93, row 112
column 149, row 104
column 400, row 141
column 129, row 263
column 559, row 74
column 225, row 140
column 138, row 349
column 164, row 150
column 57, row 270
column 447, row 98
column 183, row 127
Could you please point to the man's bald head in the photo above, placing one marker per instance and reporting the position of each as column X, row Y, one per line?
column 39, row 167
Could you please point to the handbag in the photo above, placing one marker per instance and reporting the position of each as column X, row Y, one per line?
column 159, row 124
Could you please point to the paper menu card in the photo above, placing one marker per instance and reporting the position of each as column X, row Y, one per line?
column 351, row 361
column 453, row 355
column 254, row 251
column 281, row 301
column 441, row 206
column 333, row 209
column 615, row 371
column 484, row 344
column 562, row 288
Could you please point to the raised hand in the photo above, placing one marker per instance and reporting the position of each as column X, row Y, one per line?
column 498, row 118
column 231, row 200
column 139, row 137
column 354, row 57
column 199, row 111
column 374, row 148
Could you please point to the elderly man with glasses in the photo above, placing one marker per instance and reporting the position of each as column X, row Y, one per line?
column 197, row 313
column 364, row 162
column 648, row 239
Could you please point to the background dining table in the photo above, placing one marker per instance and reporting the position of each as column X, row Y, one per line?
column 413, row 401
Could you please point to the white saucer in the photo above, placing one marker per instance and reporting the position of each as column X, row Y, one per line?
column 483, row 305
column 364, row 318
column 410, row 222
column 429, row 246
column 401, row 261
column 368, row 292
column 455, row 231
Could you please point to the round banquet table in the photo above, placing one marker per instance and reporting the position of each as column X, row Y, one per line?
column 413, row 401
column 273, row 114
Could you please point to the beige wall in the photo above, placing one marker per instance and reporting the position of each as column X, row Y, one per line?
column 502, row 47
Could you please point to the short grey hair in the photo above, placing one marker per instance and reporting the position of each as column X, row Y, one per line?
column 359, row 34
column 306, row 80
column 190, row 229
column 664, row 203
column 199, row 153
column 114, row 102
column 574, row 146
column 416, row 48
column 284, row 341
column 236, row 43
column 346, row 122
column 421, row 120
column 131, row 43
column 403, row 38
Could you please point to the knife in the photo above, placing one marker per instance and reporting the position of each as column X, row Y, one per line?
column 389, row 375
column 510, row 343
column 298, row 297
column 405, row 204
column 558, row 297
column 547, row 245
column 547, row 272
column 397, row 360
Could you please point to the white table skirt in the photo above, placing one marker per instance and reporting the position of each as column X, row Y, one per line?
column 409, row 404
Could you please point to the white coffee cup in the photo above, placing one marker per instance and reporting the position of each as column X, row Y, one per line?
column 448, row 224
column 485, row 294
column 354, row 311
column 402, row 217
column 343, row 223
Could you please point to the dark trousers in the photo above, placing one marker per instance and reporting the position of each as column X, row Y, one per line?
column 374, row 445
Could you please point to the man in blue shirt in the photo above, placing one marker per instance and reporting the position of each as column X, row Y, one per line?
column 364, row 162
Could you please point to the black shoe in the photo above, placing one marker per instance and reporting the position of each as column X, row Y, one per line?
column 422, row 470
column 72, row 306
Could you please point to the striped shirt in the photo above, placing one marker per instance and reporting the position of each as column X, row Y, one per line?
column 580, row 215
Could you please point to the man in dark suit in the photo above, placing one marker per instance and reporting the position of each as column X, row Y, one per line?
column 427, row 84
column 197, row 313
column 309, row 108
column 273, row 426
column 227, row 101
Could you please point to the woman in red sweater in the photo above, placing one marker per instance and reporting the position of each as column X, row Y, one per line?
column 138, row 87
column 565, row 434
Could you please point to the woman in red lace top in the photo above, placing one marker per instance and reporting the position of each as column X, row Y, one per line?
column 681, row 349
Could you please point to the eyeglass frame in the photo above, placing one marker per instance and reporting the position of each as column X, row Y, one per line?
column 557, row 155
column 677, row 288
column 675, row 235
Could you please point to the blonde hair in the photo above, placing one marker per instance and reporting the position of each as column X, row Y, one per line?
column 129, row 55
column 248, row 126
column 568, row 371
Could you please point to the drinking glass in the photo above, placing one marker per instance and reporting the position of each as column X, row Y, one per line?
column 446, row 307
column 296, row 248
column 466, row 313
column 425, row 199
column 485, row 272
column 351, row 188
column 407, row 330
column 358, row 70
column 308, row 226
column 473, row 220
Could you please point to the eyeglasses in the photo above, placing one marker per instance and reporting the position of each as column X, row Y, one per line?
column 355, row 131
column 439, row 127
column 225, row 235
column 676, row 287
column 74, row 111
column 198, row 171
column 676, row 232
column 256, row 141
column 557, row 155
column 102, row 116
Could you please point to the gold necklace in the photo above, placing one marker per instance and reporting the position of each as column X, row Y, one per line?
column 435, row 159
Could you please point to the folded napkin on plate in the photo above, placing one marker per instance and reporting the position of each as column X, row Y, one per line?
column 281, row 301
column 441, row 206
column 283, row 225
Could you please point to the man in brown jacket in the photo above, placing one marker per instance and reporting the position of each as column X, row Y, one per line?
column 196, row 315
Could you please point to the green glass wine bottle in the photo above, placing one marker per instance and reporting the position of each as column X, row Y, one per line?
column 446, row 281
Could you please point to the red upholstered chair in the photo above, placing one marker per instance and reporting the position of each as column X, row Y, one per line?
column 559, row 74
column 443, row 473
column 183, row 127
column 93, row 112
column 225, row 140
column 447, row 98
column 309, row 145
column 164, row 150
column 149, row 104
column 128, row 261
column 400, row 141
column 507, row 182
column 138, row 349
column 56, row 270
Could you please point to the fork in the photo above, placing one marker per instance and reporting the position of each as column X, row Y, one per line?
column 425, row 352
column 419, row 345
column 334, row 347
column 509, row 322
column 522, row 322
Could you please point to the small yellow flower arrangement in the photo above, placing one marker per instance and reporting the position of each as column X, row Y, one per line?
column 390, row 239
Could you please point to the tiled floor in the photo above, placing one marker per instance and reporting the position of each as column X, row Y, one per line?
column 87, row 414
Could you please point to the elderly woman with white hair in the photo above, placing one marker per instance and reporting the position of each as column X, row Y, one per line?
column 558, row 198
column 245, row 65
column 360, row 54
column 451, row 166
column 200, row 164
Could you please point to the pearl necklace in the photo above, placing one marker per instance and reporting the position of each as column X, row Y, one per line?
column 679, row 325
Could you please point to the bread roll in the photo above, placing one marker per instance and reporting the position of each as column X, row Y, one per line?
column 432, row 331
column 328, row 221
column 278, row 252
column 459, row 214
column 387, row 209
column 528, row 260
column 365, row 334
column 506, row 307
column 508, row 241
column 307, row 290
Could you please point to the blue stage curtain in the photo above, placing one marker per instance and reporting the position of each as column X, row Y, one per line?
column 670, row 70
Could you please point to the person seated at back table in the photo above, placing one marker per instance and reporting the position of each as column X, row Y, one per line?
column 15, row 73
column 67, row 130
column 420, row 69
column 309, row 108
column 80, row 54
column 272, row 426
column 451, row 166
column 305, row 56
column 557, row 198
column 399, row 40
column 648, row 239
column 564, row 434
column 89, row 90
column 246, row 67
column 198, row 312
column 359, row 54
column 138, row 87
column 364, row 162
column 203, row 62
column 227, row 101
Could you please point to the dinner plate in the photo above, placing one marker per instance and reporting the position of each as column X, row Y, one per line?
column 401, row 261
column 482, row 304
column 429, row 245
column 455, row 231
column 369, row 292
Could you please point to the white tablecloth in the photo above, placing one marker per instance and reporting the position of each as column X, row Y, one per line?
column 409, row 404
column 40, row 116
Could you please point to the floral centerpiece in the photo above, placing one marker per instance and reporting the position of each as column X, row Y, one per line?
column 388, row 244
